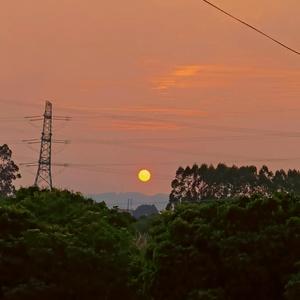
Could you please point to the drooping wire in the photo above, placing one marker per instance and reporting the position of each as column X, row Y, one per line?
column 107, row 170
column 252, row 27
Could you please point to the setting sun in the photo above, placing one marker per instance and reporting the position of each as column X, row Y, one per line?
column 144, row 175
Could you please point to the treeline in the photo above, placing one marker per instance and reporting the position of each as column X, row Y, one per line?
column 58, row 245
column 193, row 184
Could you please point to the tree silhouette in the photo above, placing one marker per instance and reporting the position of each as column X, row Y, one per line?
column 209, row 182
column 9, row 171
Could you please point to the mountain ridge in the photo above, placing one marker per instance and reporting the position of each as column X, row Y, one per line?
column 111, row 199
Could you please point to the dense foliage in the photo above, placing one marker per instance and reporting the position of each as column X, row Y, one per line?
column 248, row 248
column 9, row 171
column 209, row 182
column 58, row 245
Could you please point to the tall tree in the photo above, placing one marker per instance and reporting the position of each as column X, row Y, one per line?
column 9, row 171
column 209, row 182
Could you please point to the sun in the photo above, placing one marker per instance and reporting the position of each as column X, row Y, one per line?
column 144, row 175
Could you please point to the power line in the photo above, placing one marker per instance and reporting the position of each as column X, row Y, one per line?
column 252, row 27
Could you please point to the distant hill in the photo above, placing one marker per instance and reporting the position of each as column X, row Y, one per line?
column 145, row 210
column 121, row 199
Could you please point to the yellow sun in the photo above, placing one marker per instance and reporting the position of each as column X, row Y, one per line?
column 144, row 175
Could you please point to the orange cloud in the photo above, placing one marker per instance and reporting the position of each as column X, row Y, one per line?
column 186, row 71
column 176, row 76
column 142, row 111
column 145, row 125
column 203, row 76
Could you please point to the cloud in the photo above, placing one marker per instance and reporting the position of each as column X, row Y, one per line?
column 176, row 77
column 160, row 111
column 214, row 75
column 142, row 111
column 135, row 118
column 145, row 125
column 186, row 71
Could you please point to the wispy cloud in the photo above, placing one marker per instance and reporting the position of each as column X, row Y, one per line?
column 146, row 125
column 137, row 118
column 176, row 77
column 186, row 71
column 143, row 111
column 214, row 75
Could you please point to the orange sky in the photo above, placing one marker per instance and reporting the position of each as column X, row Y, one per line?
column 150, row 84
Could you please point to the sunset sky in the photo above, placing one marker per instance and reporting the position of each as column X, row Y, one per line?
column 150, row 84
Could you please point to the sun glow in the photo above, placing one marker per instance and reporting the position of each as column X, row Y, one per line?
column 144, row 175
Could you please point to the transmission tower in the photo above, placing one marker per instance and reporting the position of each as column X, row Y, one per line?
column 43, row 177
column 129, row 205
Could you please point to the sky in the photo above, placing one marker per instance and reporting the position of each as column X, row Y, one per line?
column 149, row 84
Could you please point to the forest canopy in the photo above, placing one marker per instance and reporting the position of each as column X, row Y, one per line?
column 59, row 245
column 245, row 248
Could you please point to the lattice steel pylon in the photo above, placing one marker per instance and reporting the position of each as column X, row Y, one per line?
column 43, row 177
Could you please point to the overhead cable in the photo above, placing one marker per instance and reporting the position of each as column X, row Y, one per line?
column 252, row 27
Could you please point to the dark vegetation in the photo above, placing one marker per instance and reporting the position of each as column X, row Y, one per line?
column 59, row 245
column 56, row 245
column 208, row 182
column 248, row 248
column 9, row 171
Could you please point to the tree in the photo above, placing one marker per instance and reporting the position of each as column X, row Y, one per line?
column 242, row 248
column 9, row 171
column 208, row 182
column 293, row 287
